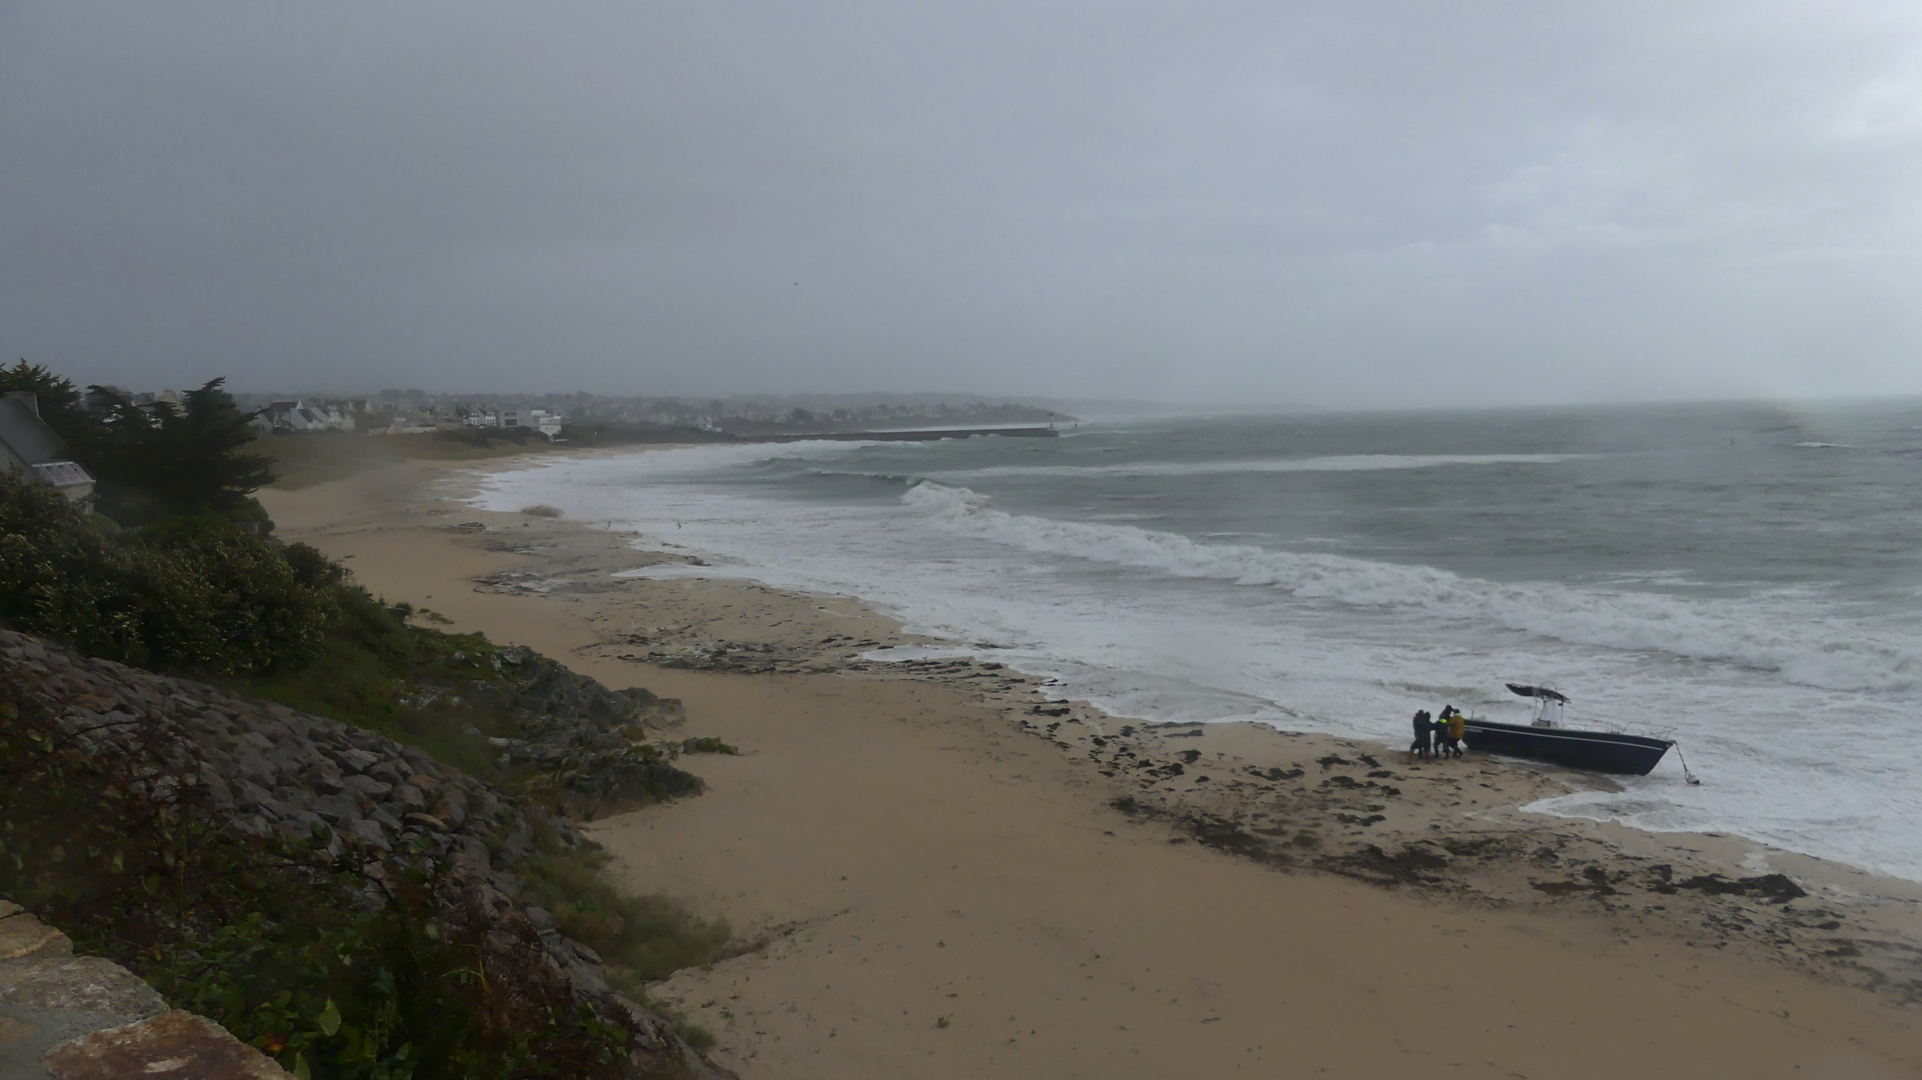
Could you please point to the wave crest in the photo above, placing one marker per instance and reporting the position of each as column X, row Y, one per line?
column 1813, row 653
column 1332, row 463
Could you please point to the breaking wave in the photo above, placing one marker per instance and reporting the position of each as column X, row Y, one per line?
column 1810, row 652
column 1333, row 463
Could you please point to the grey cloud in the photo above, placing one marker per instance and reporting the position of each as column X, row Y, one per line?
column 1345, row 203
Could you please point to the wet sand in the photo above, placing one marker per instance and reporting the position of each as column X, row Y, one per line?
column 948, row 875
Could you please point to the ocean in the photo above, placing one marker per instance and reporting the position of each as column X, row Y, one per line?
column 1745, row 577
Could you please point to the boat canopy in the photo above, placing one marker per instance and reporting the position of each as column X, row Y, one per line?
column 1537, row 692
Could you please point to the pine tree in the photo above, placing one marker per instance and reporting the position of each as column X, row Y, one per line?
column 158, row 461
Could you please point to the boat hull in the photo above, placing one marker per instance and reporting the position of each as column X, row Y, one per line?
column 1597, row 751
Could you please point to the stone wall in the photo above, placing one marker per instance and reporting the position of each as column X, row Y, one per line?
column 267, row 769
column 70, row 1017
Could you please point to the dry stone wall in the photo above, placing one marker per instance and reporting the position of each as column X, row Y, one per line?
column 68, row 1017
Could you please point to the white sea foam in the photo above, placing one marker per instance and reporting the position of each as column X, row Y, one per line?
column 1160, row 626
column 1805, row 651
column 1333, row 463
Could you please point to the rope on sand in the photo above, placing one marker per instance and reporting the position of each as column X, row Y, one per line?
column 1686, row 774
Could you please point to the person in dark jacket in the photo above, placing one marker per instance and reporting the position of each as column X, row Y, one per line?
column 1423, row 730
column 1447, row 744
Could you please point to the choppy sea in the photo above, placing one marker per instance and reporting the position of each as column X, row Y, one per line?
column 1747, row 577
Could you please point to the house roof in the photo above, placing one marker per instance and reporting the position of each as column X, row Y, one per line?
column 28, row 436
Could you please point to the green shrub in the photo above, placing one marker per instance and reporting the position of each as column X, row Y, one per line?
column 191, row 594
column 642, row 938
column 694, row 1035
column 708, row 745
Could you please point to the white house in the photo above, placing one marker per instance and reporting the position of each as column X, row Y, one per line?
column 334, row 417
column 297, row 415
column 547, row 423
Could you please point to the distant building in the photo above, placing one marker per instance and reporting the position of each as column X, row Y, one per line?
column 547, row 423
column 297, row 415
column 335, row 416
column 288, row 416
column 477, row 416
column 28, row 447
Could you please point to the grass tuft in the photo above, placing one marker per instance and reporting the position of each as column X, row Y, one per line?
column 696, row 1036
column 708, row 746
column 645, row 937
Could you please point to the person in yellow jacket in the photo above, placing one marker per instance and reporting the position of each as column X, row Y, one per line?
column 1448, row 732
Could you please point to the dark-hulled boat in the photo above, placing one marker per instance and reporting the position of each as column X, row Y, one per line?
column 1547, row 740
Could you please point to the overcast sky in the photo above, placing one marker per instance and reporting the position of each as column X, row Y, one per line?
column 1345, row 203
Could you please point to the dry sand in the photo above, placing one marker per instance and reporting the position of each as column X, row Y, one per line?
column 951, row 878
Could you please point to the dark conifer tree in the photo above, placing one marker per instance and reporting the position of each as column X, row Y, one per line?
column 158, row 460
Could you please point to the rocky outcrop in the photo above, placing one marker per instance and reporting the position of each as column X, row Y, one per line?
column 740, row 658
column 175, row 1043
column 268, row 770
column 553, row 705
column 588, row 744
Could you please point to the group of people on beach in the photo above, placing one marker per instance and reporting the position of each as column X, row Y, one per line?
column 1438, row 736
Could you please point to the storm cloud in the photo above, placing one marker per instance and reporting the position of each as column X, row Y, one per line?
column 1344, row 203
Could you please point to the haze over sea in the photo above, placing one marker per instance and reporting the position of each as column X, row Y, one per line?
column 1745, row 576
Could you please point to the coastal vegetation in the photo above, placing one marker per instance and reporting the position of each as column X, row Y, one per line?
column 157, row 460
column 331, row 954
column 200, row 594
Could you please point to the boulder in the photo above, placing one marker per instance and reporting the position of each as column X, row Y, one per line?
column 171, row 1044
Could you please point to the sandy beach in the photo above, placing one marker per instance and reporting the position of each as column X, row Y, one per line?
column 944, row 874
